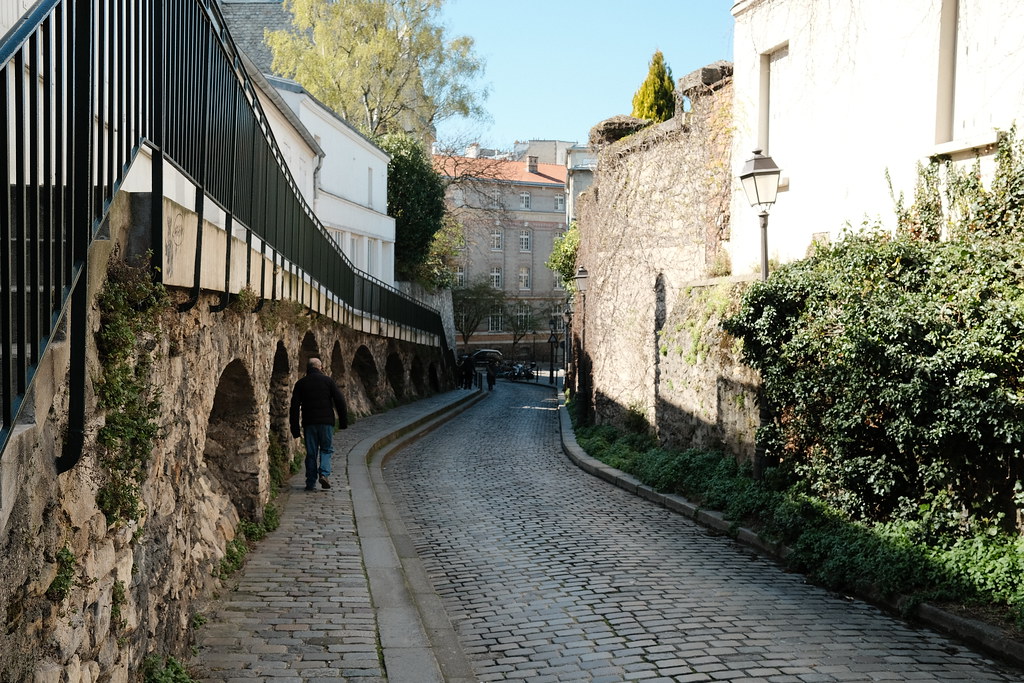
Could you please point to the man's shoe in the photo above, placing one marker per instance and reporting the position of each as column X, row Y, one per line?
column 311, row 487
column 323, row 482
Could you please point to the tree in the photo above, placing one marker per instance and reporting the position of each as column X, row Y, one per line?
column 438, row 271
column 655, row 100
column 520, row 320
column 415, row 201
column 563, row 256
column 474, row 304
column 384, row 65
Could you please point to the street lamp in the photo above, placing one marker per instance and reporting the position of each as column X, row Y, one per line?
column 760, row 179
column 583, row 379
column 552, row 340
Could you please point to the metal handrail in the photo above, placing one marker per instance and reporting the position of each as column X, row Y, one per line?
column 84, row 86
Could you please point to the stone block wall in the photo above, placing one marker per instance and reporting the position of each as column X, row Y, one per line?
column 651, row 228
column 224, row 382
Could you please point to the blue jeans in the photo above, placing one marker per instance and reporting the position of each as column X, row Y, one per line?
column 319, row 448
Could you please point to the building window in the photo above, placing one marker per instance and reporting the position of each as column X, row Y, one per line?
column 774, row 101
column 559, row 202
column 524, row 200
column 496, row 277
column 460, row 276
column 495, row 198
column 525, row 237
column 494, row 321
column 496, row 239
column 523, row 315
column 558, row 280
column 524, row 277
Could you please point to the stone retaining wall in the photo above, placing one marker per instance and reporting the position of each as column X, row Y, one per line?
column 651, row 229
column 224, row 382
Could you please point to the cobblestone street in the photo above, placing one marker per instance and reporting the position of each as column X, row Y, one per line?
column 550, row 574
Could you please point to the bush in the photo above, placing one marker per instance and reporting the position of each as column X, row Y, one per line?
column 888, row 560
column 893, row 368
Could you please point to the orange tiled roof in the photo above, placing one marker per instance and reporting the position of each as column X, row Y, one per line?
column 499, row 170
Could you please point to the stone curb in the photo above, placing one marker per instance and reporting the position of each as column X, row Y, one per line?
column 418, row 642
column 983, row 635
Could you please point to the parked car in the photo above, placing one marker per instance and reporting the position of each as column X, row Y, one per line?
column 485, row 356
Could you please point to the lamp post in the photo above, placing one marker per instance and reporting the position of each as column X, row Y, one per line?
column 760, row 179
column 582, row 364
column 552, row 340
column 567, row 352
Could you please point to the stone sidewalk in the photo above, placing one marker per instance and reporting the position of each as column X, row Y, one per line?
column 336, row 593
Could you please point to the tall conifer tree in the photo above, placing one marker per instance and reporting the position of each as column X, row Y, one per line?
column 655, row 100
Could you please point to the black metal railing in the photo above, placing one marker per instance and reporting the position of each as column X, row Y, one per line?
column 87, row 85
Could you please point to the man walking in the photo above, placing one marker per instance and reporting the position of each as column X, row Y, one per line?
column 317, row 397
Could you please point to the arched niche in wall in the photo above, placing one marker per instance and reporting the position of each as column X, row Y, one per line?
column 364, row 368
column 418, row 376
column 394, row 368
column 338, row 365
column 280, row 399
column 434, row 377
column 231, row 451
column 308, row 349
column 280, row 391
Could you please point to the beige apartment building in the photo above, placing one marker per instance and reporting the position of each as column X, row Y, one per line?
column 511, row 211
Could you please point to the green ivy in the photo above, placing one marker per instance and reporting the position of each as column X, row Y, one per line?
column 60, row 587
column 130, row 304
column 884, row 559
column 157, row 669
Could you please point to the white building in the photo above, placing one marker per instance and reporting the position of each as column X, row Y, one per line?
column 839, row 93
column 340, row 173
column 351, row 197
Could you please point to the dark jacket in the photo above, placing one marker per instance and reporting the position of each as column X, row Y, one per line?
column 318, row 397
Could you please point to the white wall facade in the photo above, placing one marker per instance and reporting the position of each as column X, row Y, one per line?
column 580, row 163
column 351, row 195
column 838, row 93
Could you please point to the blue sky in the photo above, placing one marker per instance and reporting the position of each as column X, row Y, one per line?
column 557, row 67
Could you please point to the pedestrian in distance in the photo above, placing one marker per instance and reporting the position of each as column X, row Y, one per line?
column 317, row 397
column 468, row 373
column 492, row 375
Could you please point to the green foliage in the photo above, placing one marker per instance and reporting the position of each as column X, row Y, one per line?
column 415, row 200
column 384, row 65
column 130, row 304
column 893, row 365
column 247, row 535
column 886, row 559
column 118, row 599
column 655, row 100
column 60, row 587
column 438, row 270
column 563, row 256
column 157, row 669
column 234, row 555
column 893, row 369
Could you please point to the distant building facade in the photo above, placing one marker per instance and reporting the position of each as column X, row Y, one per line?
column 512, row 211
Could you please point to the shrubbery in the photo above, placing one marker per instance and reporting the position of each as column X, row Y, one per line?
column 893, row 367
column 893, row 364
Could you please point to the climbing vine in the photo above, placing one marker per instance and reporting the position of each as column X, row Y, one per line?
column 130, row 304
